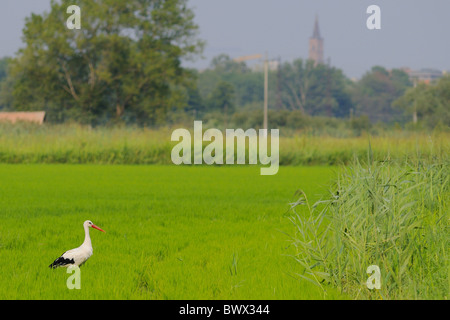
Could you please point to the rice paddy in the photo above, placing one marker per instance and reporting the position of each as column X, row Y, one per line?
column 222, row 232
column 171, row 232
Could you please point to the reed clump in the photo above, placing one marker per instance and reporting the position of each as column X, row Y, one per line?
column 392, row 214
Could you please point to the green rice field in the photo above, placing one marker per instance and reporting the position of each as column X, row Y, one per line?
column 171, row 232
column 335, row 207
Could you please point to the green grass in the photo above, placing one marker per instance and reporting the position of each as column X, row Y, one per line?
column 75, row 144
column 171, row 232
column 201, row 232
column 389, row 214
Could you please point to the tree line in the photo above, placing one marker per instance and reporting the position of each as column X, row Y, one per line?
column 125, row 65
column 301, row 89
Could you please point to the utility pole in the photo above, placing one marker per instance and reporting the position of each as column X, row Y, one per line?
column 415, row 105
column 266, row 91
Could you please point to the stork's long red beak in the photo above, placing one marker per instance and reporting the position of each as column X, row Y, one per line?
column 95, row 227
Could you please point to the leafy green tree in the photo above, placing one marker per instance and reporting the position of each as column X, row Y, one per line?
column 224, row 64
column 374, row 94
column 315, row 89
column 5, row 96
column 195, row 102
column 3, row 67
column 124, row 63
column 223, row 97
column 431, row 102
column 248, row 85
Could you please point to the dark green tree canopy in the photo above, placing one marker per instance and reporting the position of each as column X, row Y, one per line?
column 222, row 97
column 3, row 68
column 318, row 90
column 300, row 85
column 431, row 102
column 248, row 84
column 374, row 94
column 124, row 63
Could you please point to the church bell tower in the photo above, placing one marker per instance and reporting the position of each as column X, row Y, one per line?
column 316, row 44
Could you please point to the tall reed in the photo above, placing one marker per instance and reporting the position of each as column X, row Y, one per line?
column 390, row 214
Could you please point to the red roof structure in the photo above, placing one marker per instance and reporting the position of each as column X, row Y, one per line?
column 13, row 117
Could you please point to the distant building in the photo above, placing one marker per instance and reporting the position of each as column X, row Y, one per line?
column 13, row 117
column 316, row 44
column 424, row 75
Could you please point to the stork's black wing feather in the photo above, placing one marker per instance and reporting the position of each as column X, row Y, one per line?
column 61, row 262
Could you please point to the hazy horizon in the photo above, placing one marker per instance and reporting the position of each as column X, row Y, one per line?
column 413, row 33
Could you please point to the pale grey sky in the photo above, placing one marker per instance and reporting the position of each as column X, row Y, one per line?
column 414, row 33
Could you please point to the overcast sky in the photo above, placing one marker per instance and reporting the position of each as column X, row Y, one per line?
column 414, row 33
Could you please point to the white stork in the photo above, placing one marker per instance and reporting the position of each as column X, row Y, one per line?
column 77, row 256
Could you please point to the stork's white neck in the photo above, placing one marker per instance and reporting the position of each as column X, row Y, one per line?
column 87, row 239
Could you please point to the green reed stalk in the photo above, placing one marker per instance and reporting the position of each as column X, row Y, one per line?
column 390, row 214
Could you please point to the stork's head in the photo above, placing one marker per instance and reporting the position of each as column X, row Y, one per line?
column 88, row 223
